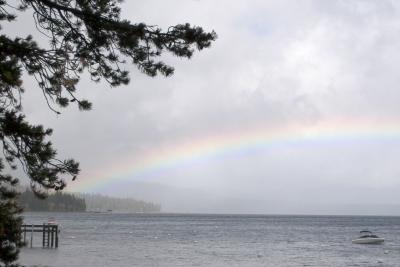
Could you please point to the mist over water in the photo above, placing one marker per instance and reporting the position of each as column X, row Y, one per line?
column 280, row 197
column 215, row 240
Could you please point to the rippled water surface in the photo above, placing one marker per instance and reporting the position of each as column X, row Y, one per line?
column 94, row 239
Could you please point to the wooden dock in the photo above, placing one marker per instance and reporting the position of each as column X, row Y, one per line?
column 48, row 232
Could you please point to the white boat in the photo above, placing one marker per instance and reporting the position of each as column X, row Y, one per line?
column 366, row 237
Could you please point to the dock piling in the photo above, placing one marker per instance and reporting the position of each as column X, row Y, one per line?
column 43, row 235
column 32, row 236
column 24, row 234
column 56, row 236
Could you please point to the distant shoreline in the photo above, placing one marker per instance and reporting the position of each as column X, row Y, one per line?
column 219, row 214
column 94, row 212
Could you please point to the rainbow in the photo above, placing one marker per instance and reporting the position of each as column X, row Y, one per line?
column 222, row 144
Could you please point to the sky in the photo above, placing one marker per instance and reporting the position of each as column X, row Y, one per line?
column 293, row 110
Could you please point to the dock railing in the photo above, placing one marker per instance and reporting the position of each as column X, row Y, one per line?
column 49, row 233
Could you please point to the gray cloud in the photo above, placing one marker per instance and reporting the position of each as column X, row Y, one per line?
column 275, row 64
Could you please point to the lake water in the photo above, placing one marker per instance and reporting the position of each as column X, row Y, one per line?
column 94, row 239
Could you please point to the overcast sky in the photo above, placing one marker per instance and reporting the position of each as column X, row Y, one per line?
column 275, row 65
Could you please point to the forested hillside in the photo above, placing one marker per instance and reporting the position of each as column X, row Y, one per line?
column 55, row 202
column 80, row 202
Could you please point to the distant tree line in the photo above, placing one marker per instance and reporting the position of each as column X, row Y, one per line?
column 54, row 202
column 80, row 202
column 96, row 202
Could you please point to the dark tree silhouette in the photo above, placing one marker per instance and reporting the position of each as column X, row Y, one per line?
column 84, row 36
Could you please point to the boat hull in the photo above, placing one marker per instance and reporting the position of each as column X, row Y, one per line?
column 368, row 240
